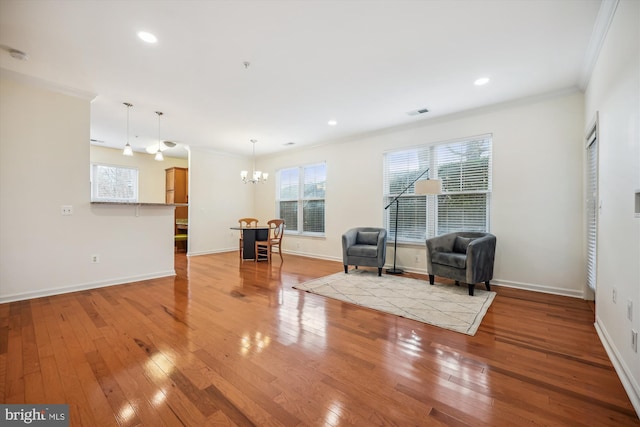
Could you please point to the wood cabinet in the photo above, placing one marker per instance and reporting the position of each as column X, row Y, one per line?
column 177, row 191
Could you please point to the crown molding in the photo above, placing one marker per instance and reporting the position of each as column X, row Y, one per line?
column 45, row 84
column 598, row 35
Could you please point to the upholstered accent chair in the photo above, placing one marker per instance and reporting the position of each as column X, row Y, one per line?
column 462, row 256
column 364, row 246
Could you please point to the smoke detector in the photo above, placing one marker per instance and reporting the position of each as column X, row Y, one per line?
column 18, row 54
column 418, row 112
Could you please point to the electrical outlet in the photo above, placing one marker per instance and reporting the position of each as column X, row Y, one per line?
column 66, row 210
column 630, row 310
column 417, row 259
column 614, row 295
column 95, row 259
column 634, row 340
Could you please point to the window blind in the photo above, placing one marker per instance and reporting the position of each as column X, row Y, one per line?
column 592, row 208
column 464, row 166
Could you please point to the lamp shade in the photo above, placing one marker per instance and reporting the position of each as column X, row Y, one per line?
column 428, row 186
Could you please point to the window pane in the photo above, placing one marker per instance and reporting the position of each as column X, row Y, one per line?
column 457, row 212
column 313, row 214
column 464, row 166
column 114, row 183
column 289, row 212
column 315, row 180
column 412, row 218
column 289, row 184
column 402, row 168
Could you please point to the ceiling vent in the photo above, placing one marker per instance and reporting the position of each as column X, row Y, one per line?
column 418, row 112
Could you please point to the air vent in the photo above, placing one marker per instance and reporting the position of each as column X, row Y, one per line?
column 418, row 112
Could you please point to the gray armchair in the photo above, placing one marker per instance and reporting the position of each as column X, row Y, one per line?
column 365, row 246
column 462, row 256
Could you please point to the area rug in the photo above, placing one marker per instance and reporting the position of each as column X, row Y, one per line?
column 442, row 305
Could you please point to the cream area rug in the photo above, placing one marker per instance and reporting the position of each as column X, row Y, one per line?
column 445, row 306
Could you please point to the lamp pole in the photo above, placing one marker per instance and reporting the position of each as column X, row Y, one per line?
column 395, row 270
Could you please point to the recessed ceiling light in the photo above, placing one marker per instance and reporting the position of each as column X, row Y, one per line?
column 147, row 37
column 332, row 122
column 481, row 81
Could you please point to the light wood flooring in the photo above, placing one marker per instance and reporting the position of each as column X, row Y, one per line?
column 231, row 343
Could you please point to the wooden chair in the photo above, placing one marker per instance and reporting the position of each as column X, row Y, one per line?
column 264, row 248
column 244, row 223
column 181, row 230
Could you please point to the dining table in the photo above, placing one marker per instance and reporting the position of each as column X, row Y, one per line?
column 249, row 237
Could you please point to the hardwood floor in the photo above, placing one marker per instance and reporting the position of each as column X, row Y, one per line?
column 231, row 343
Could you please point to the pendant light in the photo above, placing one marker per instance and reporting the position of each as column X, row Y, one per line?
column 159, row 157
column 256, row 176
column 128, row 151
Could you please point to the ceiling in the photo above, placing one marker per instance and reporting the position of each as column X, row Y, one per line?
column 365, row 64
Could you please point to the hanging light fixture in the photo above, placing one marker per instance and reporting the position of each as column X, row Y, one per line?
column 128, row 151
column 159, row 157
column 256, row 176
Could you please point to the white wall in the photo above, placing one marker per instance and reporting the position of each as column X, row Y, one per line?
column 151, row 173
column 44, row 164
column 536, row 208
column 614, row 92
column 217, row 198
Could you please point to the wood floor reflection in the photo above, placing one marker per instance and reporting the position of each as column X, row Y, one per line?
column 230, row 343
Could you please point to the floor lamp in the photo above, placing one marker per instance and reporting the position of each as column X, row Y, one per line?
column 425, row 186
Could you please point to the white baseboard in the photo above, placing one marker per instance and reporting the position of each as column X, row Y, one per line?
column 539, row 288
column 515, row 285
column 624, row 373
column 217, row 251
column 84, row 286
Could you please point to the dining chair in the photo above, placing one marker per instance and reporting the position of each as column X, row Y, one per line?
column 264, row 248
column 244, row 223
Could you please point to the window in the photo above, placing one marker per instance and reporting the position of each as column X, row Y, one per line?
column 300, row 198
column 464, row 166
column 114, row 183
column 592, row 206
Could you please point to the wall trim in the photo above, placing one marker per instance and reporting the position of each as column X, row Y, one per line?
column 574, row 293
column 533, row 287
column 211, row 252
column 600, row 28
column 624, row 373
column 84, row 286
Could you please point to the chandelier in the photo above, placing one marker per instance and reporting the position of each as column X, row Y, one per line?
column 256, row 176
